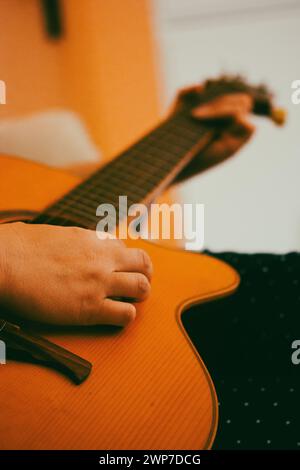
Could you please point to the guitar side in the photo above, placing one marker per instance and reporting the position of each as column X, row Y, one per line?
column 149, row 388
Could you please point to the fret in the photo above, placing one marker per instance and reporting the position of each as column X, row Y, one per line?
column 129, row 187
column 167, row 156
column 44, row 218
column 119, row 175
column 82, row 207
column 137, row 158
column 168, row 152
column 138, row 171
column 67, row 208
column 106, row 188
column 159, row 144
column 75, row 217
column 103, row 195
column 156, row 162
column 149, row 168
column 134, row 189
column 90, row 204
column 85, row 204
column 164, row 157
column 156, row 144
column 109, row 184
column 170, row 147
column 142, row 169
column 76, row 211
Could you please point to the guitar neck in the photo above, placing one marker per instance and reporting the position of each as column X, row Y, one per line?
column 141, row 172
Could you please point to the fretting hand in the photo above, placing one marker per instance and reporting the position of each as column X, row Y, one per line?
column 235, row 109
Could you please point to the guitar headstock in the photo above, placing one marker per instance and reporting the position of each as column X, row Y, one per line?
column 262, row 97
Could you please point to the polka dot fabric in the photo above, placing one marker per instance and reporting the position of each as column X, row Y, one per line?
column 245, row 341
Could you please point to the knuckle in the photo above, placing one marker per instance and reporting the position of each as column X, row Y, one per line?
column 89, row 305
column 116, row 245
column 119, row 242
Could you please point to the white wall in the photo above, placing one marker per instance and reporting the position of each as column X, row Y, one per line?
column 252, row 202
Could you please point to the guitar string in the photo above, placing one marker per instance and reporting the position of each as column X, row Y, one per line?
column 80, row 190
column 70, row 201
column 79, row 205
column 212, row 90
column 88, row 216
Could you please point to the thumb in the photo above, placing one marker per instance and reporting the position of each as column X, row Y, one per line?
column 241, row 128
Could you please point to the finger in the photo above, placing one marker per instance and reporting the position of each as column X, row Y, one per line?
column 230, row 141
column 190, row 89
column 198, row 89
column 131, row 285
column 223, row 147
column 134, row 260
column 228, row 106
column 241, row 127
column 115, row 313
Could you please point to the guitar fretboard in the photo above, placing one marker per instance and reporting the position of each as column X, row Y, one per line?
column 139, row 173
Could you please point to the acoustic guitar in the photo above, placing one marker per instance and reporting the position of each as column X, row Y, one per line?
column 148, row 388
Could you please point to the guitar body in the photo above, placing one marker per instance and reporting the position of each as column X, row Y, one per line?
column 148, row 389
